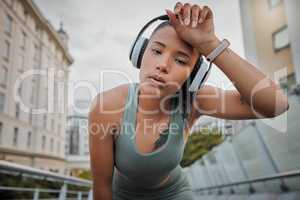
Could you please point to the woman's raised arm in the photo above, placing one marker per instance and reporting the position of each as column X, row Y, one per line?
column 195, row 25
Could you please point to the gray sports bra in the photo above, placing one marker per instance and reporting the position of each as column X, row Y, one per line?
column 147, row 169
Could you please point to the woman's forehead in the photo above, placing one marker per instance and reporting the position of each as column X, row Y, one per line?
column 168, row 36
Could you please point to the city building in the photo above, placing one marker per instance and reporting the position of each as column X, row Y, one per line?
column 271, row 37
column 34, row 70
column 77, row 140
column 270, row 30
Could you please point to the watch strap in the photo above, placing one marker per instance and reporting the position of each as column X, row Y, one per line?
column 218, row 50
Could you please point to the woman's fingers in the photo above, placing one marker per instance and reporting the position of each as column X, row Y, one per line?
column 196, row 10
column 174, row 21
column 205, row 14
column 177, row 7
column 178, row 12
column 187, row 14
column 192, row 15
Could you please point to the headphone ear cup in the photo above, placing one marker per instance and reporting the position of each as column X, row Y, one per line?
column 205, row 77
column 137, row 52
column 201, row 75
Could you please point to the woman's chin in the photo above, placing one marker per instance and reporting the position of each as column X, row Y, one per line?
column 154, row 84
column 150, row 88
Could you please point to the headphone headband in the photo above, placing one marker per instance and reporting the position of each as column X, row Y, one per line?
column 161, row 17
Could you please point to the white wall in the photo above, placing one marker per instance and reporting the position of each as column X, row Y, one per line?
column 293, row 16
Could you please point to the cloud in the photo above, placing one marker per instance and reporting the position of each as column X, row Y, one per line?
column 101, row 32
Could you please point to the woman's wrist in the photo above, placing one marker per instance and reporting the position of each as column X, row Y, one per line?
column 207, row 47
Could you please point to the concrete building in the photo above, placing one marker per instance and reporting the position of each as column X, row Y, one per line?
column 271, row 37
column 77, row 140
column 34, row 68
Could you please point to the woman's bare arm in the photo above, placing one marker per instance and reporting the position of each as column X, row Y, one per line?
column 105, row 114
column 263, row 96
column 101, row 151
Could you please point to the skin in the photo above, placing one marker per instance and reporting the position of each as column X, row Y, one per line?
column 172, row 52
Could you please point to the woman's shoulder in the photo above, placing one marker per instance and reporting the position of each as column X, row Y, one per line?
column 111, row 100
column 108, row 107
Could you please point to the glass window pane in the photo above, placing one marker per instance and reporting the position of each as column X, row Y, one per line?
column 231, row 163
column 6, row 50
column 274, row 3
column 281, row 38
column 3, row 76
column 252, row 154
column 8, row 24
column 2, row 102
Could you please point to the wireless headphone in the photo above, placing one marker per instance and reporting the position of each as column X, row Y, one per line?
column 140, row 44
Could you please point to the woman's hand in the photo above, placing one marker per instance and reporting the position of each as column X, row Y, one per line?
column 194, row 25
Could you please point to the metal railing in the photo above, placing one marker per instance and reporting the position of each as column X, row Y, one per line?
column 62, row 194
column 278, row 176
column 259, row 156
column 36, row 174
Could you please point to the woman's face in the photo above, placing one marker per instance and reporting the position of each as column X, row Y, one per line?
column 167, row 58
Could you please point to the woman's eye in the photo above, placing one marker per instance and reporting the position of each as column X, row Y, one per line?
column 156, row 51
column 181, row 62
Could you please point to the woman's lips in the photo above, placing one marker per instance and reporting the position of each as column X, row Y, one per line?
column 157, row 82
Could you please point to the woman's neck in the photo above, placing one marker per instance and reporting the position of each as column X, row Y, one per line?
column 154, row 106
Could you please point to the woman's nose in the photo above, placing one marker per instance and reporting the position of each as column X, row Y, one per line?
column 164, row 64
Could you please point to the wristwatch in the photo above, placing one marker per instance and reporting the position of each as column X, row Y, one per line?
column 218, row 50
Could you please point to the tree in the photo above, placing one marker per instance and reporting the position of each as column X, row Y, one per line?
column 199, row 143
column 86, row 174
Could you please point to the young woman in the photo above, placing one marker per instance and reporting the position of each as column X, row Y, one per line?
column 126, row 122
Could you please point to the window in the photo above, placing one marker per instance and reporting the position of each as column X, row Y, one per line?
column 26, row 15
column 36, row 52
column 38, row 30
column 20, row 89
column 21, row 64
column 58, row 147
column 51, row 144
column 59, row 129
column 29, row 139
column 52, row 124
column 44, row 120
column 274, row 3
column 1, row 127
column 3, row 76
column 43, row 142
column 15, row 138
column 287, row 82
column 17, row 110
column 36, row 64
column 32, row 95
column 2, row 101
column 32, row 91
column 6, row 50
column 8, row 25
column 23, row 41
column 281, row 39
column 30, row 116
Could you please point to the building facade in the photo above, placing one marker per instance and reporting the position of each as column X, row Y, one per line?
column 77, row 140
column 77, row 136
column 269, row 29
column 34, row 70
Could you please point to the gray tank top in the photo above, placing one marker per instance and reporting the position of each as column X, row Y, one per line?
column 147, row 169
